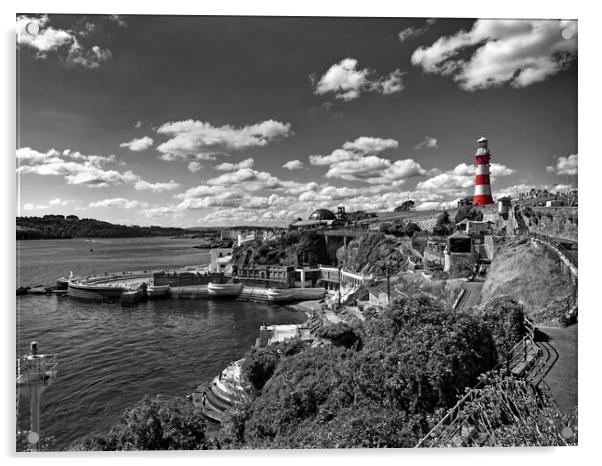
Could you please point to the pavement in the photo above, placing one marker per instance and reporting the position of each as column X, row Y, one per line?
column 473, row 293
column 562, row 376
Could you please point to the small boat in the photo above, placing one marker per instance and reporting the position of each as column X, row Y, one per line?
column 62, row 283
column 224, row 290
column 280, row 294
column 132, row 296
column 158, row 291
column 90, row 292
column 38, row 290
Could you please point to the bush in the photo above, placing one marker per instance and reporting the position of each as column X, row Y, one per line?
column 153, row 424
column 341, row 334
column 505, row 319
column 259, row 366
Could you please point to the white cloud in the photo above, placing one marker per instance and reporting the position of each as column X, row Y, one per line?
column 346, row 82
column 156, row 187
column 59, row 202
column 139, row 144
column 81, row 169
column 118, row 202
column 359, row 161
column 518, row 52
column 565, row 165
column 197, row 139
column 428, row 143
column 138, row 124
column 406, row 33
column 248, row 163
column 194, row 166
column 62, row 42
column 30, row 206
column 293, row 165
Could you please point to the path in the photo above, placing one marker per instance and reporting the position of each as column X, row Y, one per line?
column 472, row 295
column 562, row 375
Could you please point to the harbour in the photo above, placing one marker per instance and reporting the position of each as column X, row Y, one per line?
column 111, row 356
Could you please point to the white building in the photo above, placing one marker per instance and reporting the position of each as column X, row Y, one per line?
column 220, row 260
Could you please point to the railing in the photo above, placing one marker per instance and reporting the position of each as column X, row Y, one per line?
column 449, row 425
column 35, row 369
column 559, row 246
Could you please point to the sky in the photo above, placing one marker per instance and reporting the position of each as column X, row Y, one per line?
column 199, row 121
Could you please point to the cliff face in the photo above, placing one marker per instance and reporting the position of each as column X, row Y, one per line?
column 361, row 255
column 294, row 248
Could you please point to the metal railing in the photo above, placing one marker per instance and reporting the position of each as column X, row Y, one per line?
column 450, row 425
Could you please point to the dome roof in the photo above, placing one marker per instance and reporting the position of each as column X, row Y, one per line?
column 322, row 214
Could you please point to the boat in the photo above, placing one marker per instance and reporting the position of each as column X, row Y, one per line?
column 295, row 294
column 95, row 292
column 38, row 290
column 133, row 296
column 281, row 294
column 158, row 291
column 62, row 283
column 224, row 290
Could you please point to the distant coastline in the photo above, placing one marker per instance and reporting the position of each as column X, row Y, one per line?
column 71, row 226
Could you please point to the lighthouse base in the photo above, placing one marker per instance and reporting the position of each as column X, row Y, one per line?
column 482, row 199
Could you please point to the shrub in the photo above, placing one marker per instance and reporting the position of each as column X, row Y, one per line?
column 341, row 334
column 259, row 366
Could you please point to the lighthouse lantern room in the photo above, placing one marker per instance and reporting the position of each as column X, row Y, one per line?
column 482, row 188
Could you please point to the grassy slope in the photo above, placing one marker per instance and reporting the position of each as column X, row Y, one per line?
column 529, row 275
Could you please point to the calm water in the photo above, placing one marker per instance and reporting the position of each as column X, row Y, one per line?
column 111, row 356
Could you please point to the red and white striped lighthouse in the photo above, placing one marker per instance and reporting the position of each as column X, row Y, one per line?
column 482, row 186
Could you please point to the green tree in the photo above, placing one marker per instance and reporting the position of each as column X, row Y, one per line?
column 443, row 225
column 153, row 424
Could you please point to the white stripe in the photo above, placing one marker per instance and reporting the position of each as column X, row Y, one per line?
column 482, row 190
column 482, row 169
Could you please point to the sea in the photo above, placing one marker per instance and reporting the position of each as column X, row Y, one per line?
column 110, row 357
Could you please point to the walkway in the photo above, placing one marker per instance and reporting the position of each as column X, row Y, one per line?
column 471, row 296
column 562, row 375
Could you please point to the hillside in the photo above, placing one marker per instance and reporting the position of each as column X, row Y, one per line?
column 532, row 278
column 363, row 254
column 61, row 227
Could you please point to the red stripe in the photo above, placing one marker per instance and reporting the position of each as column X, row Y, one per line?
column 482, row 159
column 482, row 199
column 482, row 179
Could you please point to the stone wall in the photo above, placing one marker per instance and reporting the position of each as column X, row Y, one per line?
column 459, row 264
column 186, row 278
column 557, row 222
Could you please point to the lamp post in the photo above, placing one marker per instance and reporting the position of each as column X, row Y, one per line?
column 340, row 284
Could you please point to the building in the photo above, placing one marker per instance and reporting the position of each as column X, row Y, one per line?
column 220, row 260
column 482, row 188
column 470, row 227
column 460, row 258
column 321, row 218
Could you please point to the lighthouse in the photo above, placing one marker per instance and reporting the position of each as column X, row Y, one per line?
column 482, row 186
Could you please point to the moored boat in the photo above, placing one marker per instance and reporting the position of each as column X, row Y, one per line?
column 280, row 294
column 224, row 290
column 38, row 290
column 95, row 292
column 158, row 291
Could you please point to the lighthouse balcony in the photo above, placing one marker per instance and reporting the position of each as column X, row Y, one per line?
column 36, row 370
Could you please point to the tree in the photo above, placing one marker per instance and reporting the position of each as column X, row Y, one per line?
column 259, row 366
column 341, row 334
column 470, row 212
column 443, row 225
column 153, row 424
column 405, row 206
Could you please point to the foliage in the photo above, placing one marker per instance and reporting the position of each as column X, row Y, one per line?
column 508, row 412
column 401, row 228
column 292, row 248
column 443, row 225
column 59, row 227
column 470, row 212
column 415, row 357
column 153, row 424
column 341, row 334
column 259, row 366
column 405, row 206
column 505, row 319
column 530, row 276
